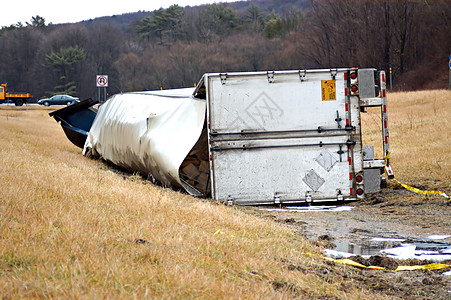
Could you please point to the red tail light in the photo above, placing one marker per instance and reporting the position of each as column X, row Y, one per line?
column 359, row 178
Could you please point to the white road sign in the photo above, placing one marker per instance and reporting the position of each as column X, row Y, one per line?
column 102, row 80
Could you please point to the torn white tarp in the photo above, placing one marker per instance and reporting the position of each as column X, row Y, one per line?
column 400, row 252
column 438, row 236
column 149, row 132
column 339, row 254
column 410, row 252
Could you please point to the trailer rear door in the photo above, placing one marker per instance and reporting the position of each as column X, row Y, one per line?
column 281, row 137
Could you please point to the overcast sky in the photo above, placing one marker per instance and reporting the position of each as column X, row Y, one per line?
column 71, row 11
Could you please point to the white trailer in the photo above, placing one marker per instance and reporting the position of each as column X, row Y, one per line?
column 251, row 138
column 292, row 136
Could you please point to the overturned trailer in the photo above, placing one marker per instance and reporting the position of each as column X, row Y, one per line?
column 249, row 138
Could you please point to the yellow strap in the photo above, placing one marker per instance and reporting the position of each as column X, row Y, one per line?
column 387, row 156
column 418, row 191
column 408, row 268
column 411, row 188
column 353, row 263
column 433, row 266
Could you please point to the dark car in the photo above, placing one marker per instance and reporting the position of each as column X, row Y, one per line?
column 58, row 100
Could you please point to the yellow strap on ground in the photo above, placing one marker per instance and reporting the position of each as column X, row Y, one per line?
column 353, row 263
column 418, row 191
column 411, row 188
column 433, row 266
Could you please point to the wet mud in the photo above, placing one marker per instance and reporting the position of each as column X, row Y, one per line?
column 382, row 220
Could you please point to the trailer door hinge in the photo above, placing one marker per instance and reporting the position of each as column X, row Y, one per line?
column 333, row 73
column 302, row 74
column 223, row 77
column 308, row 197
column 339, row 196
column 270, row 75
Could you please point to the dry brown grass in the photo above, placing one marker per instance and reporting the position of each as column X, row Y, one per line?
column 69, row 228
column 420, row 143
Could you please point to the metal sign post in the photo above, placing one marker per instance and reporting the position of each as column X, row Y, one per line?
column 102, row 83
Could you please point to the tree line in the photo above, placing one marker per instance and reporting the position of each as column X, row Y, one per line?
column 173, row 47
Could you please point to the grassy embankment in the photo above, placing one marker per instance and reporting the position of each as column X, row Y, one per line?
column 420, row 142
column 71, row 228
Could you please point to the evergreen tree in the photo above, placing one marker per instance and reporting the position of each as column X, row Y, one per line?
column 63, row 63
column 255, row 18
column 37, row 21
column 164, row 24
column 219, row 19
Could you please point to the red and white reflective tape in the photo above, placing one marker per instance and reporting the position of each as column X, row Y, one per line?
column 384, row 113
column 351, row 182
column 384, row 117
column 348, row 94
column 348, row 121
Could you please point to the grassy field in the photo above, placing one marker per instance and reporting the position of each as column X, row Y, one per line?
column 71, row 227
column 420, row 141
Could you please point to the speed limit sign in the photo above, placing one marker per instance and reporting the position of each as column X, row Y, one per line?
column 102, row 80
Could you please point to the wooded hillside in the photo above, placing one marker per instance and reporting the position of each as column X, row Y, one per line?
column 173, row 47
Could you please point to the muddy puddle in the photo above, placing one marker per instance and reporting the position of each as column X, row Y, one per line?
column 385, row 222
column 347, row 246
column 366, row 231
column 425, row 249
column 363, row 242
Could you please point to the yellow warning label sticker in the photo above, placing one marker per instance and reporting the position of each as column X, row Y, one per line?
column 328, row 90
